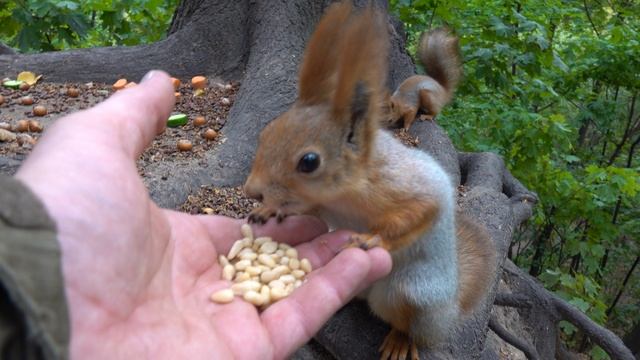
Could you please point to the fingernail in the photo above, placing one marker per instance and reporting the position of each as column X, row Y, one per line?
column 148, row 76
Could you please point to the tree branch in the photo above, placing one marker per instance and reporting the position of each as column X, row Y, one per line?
column 529, row 351
column 548, row 309
column 624, row 284
column 586, row 9
column 603, row 337
column 6, row 50
column 512, row 300
column 627, row 132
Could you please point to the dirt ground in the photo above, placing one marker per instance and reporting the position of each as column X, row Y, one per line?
column 213, row 105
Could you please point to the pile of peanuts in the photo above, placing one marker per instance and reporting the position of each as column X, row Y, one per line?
column 262, row 270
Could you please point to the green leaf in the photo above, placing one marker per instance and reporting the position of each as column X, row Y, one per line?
column 68, row 5
column 597, row 353
column 580, row 304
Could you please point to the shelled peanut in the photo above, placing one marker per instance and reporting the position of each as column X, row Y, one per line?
column 262, row 270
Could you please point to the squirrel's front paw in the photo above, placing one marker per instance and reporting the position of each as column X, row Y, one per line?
column 365, row 241
column 262, row 214
column 397, row 345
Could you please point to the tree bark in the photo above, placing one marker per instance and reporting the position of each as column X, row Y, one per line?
column 198, row 47
column 632, row 340
column 6, row 50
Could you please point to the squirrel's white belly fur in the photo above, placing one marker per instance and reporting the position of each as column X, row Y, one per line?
column 431, row 260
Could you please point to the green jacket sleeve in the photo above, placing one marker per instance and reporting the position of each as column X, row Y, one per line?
column 34, row 321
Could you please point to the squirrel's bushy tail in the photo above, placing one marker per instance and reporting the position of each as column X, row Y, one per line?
column 476, row 263
column 439, row 53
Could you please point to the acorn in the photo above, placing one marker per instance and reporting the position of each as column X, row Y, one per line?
column 210, row 134
column 184, row 145
column 22, row 126
column 199, row 121
column 35, row 126
column 73, row 92
column 26, row 100
column 39, row 110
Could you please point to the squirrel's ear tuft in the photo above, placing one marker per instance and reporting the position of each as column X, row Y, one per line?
column 319, row 66
column 360, row 86
column 345, row 67
column 362, row 62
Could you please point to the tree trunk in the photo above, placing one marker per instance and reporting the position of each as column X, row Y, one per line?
column 6, row 50
column 260, row 43
column 632, row 340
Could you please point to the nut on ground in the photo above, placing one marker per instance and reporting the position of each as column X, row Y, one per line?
column 39, row 110
column 210, row 134
column 184, row 145
column 73, row 92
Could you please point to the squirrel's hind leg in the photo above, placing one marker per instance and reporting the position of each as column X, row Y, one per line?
column 397, row 345
column 429, row 106
column 433, row 324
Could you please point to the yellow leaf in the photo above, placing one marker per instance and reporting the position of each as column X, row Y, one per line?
column 198, row 92
column 28, row 77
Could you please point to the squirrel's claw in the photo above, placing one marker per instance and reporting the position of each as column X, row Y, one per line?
column 280, row 215
column 364, row 241
column 262, row 214
column 397, row 345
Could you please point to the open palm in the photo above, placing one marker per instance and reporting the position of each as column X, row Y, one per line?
column 138, row 278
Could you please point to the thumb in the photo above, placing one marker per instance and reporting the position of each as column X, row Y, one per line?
column 139, row 113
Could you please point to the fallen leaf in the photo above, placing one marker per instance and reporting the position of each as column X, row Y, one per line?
column 28, row 77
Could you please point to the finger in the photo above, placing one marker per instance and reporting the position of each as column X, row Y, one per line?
column 293, row 230
column 134, row 116
column 325, row 247
column 322, row 249
column 225, row 231
column 294, row 320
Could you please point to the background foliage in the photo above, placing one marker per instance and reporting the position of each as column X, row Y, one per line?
column 551, row 85
column 36, row 25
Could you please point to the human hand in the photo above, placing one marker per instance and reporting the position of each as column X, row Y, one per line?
column 138, row 278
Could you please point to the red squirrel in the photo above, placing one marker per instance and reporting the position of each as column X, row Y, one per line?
column 327, row 156
column 439, row 53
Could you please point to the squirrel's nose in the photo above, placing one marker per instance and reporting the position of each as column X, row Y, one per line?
column 252, row 191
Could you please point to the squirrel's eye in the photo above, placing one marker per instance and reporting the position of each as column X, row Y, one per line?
column 309, row 162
